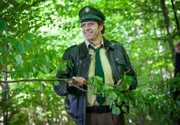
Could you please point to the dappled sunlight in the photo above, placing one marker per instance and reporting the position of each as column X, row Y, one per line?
column 34, row 35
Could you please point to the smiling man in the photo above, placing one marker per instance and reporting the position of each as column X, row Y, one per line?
column 96, row 56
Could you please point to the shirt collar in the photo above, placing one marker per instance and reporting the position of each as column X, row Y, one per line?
column 88, row 43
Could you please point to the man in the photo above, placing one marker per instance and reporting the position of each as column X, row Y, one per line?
column 96, row 56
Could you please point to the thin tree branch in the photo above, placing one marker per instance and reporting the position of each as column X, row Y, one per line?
column 43, row 80
column 79, row 87
column 48, row 80
column 175, row 15
column 34, row 80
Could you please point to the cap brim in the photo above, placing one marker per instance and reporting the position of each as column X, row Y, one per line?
column 90, row 17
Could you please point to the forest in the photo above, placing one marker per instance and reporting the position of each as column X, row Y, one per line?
column 35, row 33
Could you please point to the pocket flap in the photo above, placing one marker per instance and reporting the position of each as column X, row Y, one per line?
column 120, row 61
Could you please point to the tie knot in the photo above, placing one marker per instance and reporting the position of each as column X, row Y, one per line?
column 95, row 49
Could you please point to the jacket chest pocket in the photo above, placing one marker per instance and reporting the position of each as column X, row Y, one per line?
column 121, row 66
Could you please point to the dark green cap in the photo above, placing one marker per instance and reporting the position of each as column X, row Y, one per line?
column 88, row 13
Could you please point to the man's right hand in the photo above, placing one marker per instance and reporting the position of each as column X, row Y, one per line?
column 78, row 81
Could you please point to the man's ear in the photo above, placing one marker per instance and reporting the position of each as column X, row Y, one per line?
column 101, row 27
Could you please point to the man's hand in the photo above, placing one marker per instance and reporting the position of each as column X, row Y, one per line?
column 78, row 81
column 178, row 47
column 121, row 82
column 118, row 83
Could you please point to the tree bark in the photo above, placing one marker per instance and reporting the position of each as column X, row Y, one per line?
column 5, row 91
column 4, row 103
column 166, row 20
column 175, row 15
column 160, row 68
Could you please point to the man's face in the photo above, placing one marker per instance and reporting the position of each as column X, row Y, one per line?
column 91, row 30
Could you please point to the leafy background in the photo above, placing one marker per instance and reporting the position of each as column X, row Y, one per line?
column 35, row 33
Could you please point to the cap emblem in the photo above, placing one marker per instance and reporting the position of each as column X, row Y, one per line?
column 87, row 9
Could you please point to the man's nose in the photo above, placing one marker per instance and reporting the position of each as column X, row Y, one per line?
column 86, row 27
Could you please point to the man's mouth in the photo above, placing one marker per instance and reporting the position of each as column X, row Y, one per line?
column 88, row 33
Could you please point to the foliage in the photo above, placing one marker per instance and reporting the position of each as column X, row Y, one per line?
column 35, row 33
column 161, row 106
column 115, row 95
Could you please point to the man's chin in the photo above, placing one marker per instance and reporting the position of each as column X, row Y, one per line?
column 88, row 38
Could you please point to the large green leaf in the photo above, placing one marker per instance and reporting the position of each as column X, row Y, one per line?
column 116, row 110
column 18, row 59
column 3, row 25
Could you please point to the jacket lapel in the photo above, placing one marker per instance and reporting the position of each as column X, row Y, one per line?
column 83, row 51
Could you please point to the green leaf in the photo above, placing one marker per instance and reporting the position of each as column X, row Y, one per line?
column 25, row 74
column 13, row 41
column 56, row 83
column 91, row 92
column 116, row 110
column 3, row 25
column 99, row 79
column 28, row 44
column 47, row 58
column 105, row 87
column 145, row 92
column 119, row 101
column 18, row 59
column 34, row 69
column 144, row 108
column 12, row 75
column 112, row 95
column 127, row 80
column 28, row 36
column 124, row 108
column 97, row 85
column 110, row 103
column 120, row 88
column 20, row 47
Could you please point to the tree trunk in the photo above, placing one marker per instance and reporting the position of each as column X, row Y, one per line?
column 166, row 20
column 4, row 100
column 5, row 91
column 175, row 15
column 4, row 103
column 160, row 68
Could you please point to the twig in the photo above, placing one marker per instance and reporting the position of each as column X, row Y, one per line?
column 78, row 87
column 33, row 80
column 47, row 80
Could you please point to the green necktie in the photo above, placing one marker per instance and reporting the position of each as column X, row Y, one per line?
column 98, row 71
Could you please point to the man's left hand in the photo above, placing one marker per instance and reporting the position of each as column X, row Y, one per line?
column 121, row 82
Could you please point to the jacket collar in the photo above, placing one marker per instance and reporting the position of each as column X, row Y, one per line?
column 108, row 44
column 83, row 50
